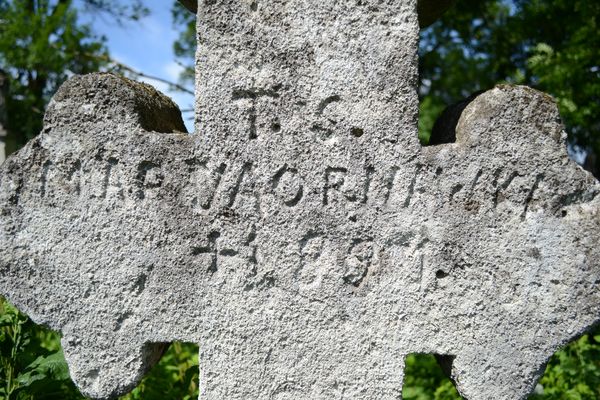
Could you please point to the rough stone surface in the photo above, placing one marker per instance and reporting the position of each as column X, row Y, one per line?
column 302, row 237
column 3, row 119
column 429, row 10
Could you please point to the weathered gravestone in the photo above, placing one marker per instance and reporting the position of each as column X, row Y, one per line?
column 303, row 237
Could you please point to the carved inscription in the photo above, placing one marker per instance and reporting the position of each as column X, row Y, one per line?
column 358, row 262
column 202, row 175
column 241, row 178
column 61, row 178
column 220, row 245
column 149, row 177
column 209, row 248
column 402, row 187
column 310, row 272
column 288, row 186
column 232, row 189
column 250, row 98
column 491, row 191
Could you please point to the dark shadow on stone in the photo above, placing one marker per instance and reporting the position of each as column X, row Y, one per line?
column 445, row 363
column 591, row 164
column 174, row 373
column 426, row 374
column 444, row 129
column 191, row 5
column 430, row 10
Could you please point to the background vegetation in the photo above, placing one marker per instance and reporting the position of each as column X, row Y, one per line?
column 553, row 45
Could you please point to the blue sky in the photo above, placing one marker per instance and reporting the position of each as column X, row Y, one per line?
column 147, row 46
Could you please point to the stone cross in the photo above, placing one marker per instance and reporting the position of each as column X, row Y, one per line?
column 303, row 237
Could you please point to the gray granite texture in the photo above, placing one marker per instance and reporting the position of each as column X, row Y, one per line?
column 429, row 10
column 303, row 237
column 3, row 114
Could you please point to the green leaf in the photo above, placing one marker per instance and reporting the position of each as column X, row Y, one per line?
column 52, row 367
column 6, row 320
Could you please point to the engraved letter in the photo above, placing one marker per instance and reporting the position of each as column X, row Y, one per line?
column 287, row 185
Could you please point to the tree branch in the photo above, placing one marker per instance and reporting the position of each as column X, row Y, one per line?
column 120, row 66
column 152, row 77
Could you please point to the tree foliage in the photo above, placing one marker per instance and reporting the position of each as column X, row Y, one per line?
column 38, row 60
column 174, row 377
column 185, row 45
column 574, row 372
column 424, row 380
column 31, row 363
column 33, row 367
